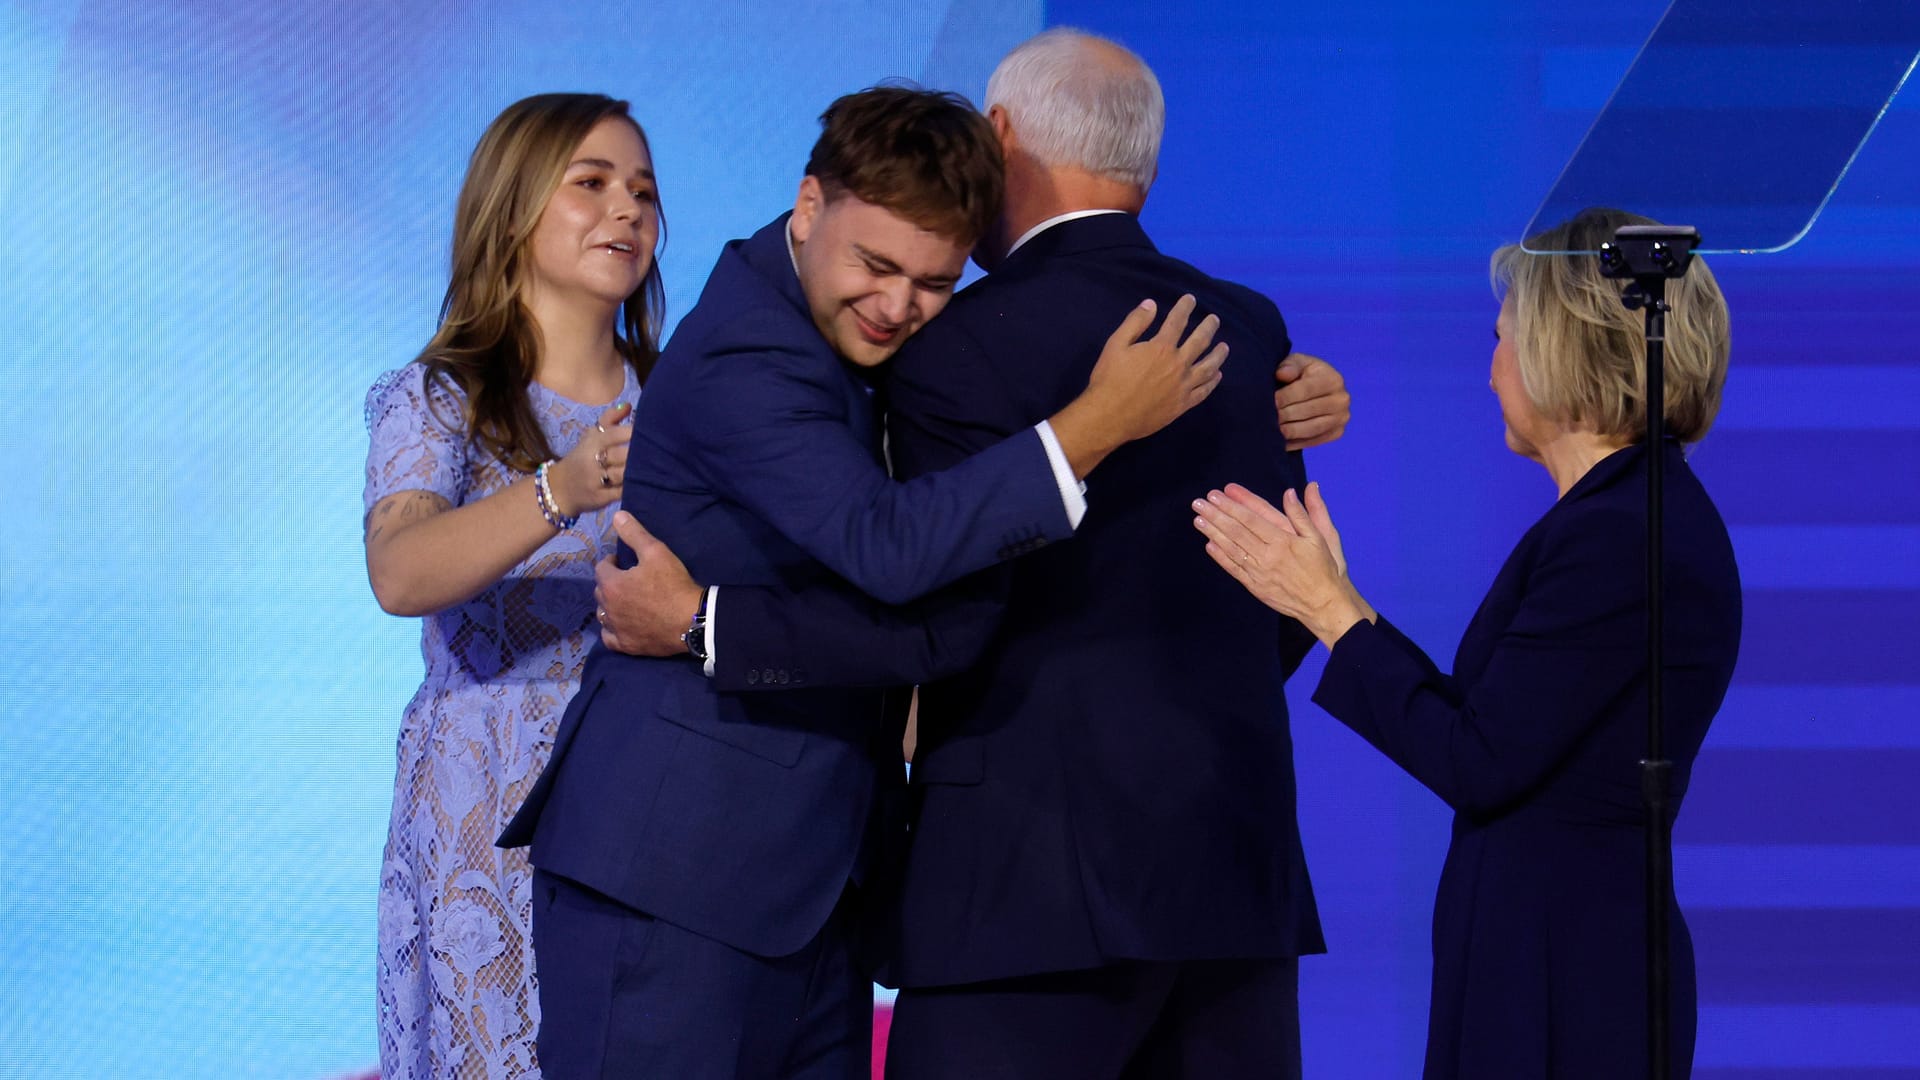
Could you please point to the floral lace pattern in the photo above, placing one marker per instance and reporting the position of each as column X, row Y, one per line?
column 457, row 990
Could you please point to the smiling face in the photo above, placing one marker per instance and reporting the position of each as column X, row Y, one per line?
column 872, row 278
column 595, row 238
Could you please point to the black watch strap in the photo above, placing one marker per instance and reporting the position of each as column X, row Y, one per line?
column 695, row 639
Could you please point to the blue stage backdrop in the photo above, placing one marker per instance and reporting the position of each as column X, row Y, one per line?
column 222, row 220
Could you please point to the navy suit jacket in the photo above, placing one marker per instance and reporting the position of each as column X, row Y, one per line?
column 756, row 456
column 1114, row 778
column 1539, row 927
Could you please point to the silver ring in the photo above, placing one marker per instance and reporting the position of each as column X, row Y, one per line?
column 605, row 480
column 600, row 457
column 601, row 615
column 603, row 430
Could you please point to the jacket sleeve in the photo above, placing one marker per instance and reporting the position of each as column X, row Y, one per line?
column 1573, row 650
column 828, row 633
column 775, row 436
column 946, row 407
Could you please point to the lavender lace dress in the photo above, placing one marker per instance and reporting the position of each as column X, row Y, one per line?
column 456, row 980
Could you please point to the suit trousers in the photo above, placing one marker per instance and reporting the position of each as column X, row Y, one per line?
column 1135, row 1020
column 624, row 995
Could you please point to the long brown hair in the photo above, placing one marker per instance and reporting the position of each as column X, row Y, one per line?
column 487, row 345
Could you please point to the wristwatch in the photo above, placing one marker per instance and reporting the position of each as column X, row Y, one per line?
column 695, row 639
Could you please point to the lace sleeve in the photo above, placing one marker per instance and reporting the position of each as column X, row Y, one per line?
column 415, row 442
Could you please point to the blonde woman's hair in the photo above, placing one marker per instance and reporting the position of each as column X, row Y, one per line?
column 1582, row 352
column 487, row 346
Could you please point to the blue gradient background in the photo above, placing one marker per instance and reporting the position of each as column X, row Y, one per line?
column 222, row 220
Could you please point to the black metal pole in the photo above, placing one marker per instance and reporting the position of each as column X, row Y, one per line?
column 1650, row 255
column 1655, row 769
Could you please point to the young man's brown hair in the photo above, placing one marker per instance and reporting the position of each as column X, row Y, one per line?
column 926, row 155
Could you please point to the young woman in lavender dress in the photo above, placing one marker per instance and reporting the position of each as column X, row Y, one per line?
column 495, row 462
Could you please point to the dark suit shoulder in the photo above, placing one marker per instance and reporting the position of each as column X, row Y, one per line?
column 948, row 370
column 1018, row 344
column 1231, row 300
column 1589, row 551
column 753, row 371
column 1601, row 527
column 770, row 330
column 1609, row 504
column 1592, row 524
column 750, row 299
column 744, row 357
column 742, row 314
column 1213, row 292
column 952, row 331
column 990, row 307
column 1577, row 572
column 1253, row 300
column 1003, row 302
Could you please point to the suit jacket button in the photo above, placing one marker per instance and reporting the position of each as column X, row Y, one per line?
column 752, row 677
column 766, row 676
column 782, row 680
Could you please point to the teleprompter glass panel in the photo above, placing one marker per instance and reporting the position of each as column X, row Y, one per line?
column 1739, row 117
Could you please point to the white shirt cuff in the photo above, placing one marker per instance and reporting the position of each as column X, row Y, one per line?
column 1073, row 493
column 713, row 601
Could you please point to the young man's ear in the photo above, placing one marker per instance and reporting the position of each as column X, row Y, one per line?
column 806, row 209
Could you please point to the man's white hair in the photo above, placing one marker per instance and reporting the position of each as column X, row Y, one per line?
column 1073, row 107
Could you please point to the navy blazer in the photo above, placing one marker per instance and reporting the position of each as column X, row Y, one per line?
column 756, row 457
column 1114, row 778
column 1539, row 927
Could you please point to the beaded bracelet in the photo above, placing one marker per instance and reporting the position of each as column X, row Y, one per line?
column 543, row 495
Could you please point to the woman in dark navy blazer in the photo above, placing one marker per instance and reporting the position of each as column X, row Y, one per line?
column 1534, row 739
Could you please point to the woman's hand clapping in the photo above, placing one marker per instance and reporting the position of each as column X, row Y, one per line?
column 1290, row 559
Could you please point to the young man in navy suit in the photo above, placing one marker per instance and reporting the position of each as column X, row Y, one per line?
column 1104, row 877
column 699, row 854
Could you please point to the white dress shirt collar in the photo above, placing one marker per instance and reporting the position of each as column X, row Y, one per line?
column 1070, row 215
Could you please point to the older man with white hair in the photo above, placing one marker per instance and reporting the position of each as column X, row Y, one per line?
column 1104, row 877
